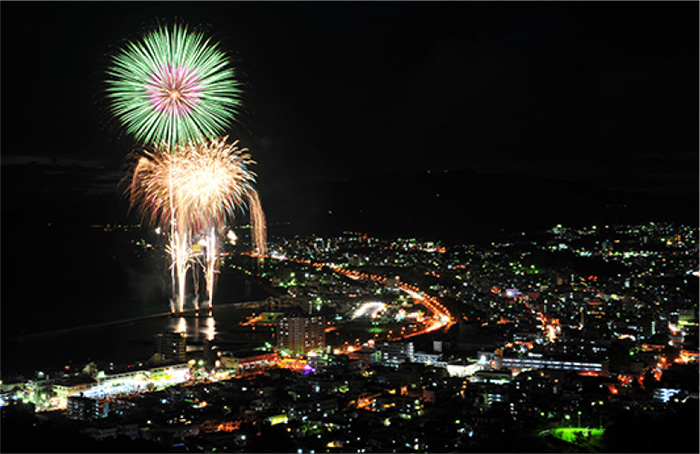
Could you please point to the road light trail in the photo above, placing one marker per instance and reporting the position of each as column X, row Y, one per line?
column 441, row 317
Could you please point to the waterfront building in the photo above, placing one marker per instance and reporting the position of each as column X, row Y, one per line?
column 170, row 347
column 72, row 386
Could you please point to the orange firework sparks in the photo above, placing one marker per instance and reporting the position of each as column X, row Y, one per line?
column 195, row 184
column 196, row 189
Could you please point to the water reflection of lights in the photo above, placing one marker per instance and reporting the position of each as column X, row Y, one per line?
column 195, row 327
column 181, row 325
column 211, row 330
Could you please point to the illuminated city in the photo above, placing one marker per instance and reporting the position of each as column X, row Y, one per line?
column 350, row 228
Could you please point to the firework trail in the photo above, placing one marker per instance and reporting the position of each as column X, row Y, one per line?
column 173, row 86
column 197, row 188
column 149, row 170
column 211, row 265
column 195, row 282
column 181, row 255
column 259, row 227
column 206, row 258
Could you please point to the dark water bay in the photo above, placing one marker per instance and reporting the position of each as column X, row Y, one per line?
column 60, row 271
column 127, row 342
column 132, row 341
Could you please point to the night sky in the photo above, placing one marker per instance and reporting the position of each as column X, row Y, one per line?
column 598, row 93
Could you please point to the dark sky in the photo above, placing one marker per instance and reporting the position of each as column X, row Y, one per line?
column 598, row 91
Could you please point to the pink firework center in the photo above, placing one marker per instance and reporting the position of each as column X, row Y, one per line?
column 174, row 90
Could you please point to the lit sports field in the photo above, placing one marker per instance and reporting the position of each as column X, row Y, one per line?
column 579, row 435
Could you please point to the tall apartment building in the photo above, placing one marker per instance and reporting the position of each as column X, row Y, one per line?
column 300, row 334
column 170, row 347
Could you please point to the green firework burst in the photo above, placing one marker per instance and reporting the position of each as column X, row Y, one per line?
column 173, row 86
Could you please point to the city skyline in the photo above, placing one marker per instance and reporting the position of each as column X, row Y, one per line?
column 530, row 334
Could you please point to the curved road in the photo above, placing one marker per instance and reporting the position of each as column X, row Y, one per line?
column 442, row 318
